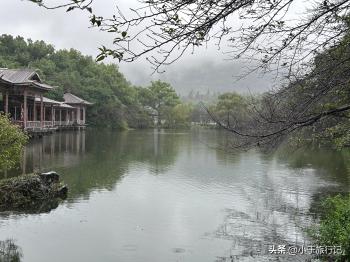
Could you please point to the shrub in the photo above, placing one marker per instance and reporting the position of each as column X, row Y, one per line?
column 12, row 140
column 334, row 227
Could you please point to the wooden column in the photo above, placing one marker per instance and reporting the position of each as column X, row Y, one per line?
column 52, row 115
column 84, row 115
column 34, row 110
column 60, row 116
column 25, row 110
column 6, row 102
column 67, row 117
column 78, row 115
column 41, row 111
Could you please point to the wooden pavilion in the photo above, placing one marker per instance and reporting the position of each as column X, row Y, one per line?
column 80, row 106
column 23, row 100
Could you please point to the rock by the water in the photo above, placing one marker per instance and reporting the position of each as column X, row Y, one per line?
column 30, row 191
column 62, row 192
column 50, row 177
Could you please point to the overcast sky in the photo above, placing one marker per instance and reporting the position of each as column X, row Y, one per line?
column 206, row 69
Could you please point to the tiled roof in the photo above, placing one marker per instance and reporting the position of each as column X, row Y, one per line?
column 64, row 105
column 17, row 75
column 53, row 102
column 72, row 99
column 47, row 101
column 22, row 77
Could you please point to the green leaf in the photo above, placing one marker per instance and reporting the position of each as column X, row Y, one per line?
column 100, row 58
column 70, row 8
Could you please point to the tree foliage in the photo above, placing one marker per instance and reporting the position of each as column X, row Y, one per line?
column 10, row 251
column 310, row 48
column 115, row 99
column 116, row 103
column 12, row 141
column 160, row 97
column 334, row 228
column 313, row 108
column 269, row 31
column 179, row 116
column 230, row 108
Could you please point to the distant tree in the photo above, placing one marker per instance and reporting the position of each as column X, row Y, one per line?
column 198, row 96
column 159, row 96
column 12, row 141
column 230, row 108
column 180, row 116
column 190, row 94
column 196, row 114
column 312, row 109
column 269, row 33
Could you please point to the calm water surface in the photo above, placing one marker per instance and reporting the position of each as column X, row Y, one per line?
column 171, row 196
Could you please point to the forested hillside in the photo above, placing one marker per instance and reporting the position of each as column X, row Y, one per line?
column 115, row 99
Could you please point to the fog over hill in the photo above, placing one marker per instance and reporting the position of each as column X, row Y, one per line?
column 205, row 69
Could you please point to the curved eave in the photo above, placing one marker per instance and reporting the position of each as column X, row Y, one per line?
column 82, row 104
column 64, row 106
column 40, row 86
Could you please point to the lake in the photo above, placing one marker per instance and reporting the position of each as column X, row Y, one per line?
column 157, row 195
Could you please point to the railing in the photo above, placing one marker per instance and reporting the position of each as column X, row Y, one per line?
column 33, row 124
column 48, row 124
column 64, row 123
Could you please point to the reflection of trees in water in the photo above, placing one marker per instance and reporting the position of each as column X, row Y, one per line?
column 273, row 208
column 109, row 155
column 97, row 159
column 100, row 158
column 9, row 251
column 62, row 149
column 332, row 165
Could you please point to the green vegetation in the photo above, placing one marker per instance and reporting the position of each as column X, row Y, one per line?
column 9, row 251
column 160, row 98
column 29, row 192
column 230, row 108
column 12, row 140
column 334, row 228
column 117, row 103
column 180, row 116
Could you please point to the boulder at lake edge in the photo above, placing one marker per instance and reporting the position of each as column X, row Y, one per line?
column 30, row 191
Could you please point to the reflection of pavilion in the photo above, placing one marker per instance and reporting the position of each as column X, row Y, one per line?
column 23, row 100
column 63, row 149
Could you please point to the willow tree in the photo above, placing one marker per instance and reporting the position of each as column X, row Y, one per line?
column 12, row 141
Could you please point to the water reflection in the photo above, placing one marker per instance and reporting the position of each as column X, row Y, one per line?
column 98, row 159
column 58, row 150
column 170, row 196
column 331, row 165
column 9, row 251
